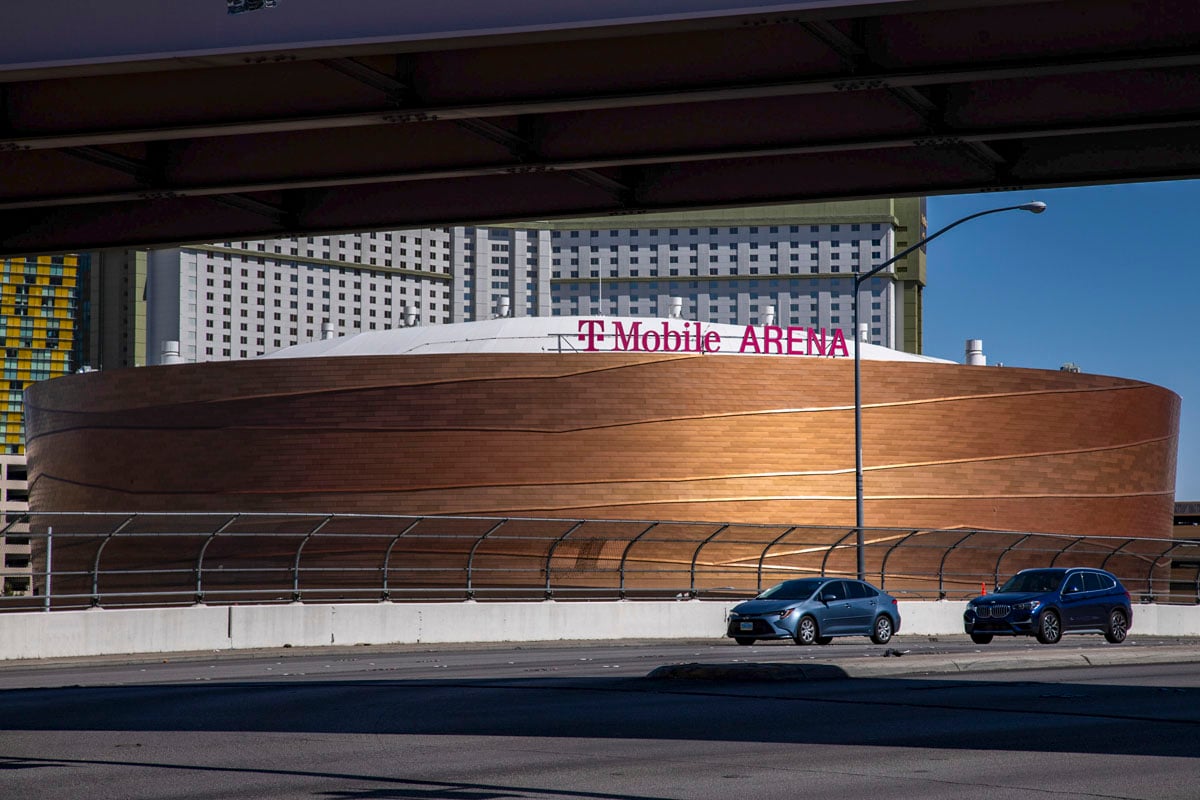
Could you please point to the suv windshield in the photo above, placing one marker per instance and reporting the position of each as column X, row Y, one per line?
column 1042, row 580
column 792, row 590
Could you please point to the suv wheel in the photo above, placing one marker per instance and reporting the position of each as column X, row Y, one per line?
column 1118, row 626
column 1049, row 629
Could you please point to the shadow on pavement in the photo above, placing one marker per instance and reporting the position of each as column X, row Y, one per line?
column 1023, row 715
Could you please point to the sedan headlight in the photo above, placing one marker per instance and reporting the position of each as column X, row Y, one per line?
column 787, row 612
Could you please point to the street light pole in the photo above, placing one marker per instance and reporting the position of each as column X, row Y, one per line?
column 1035, row 207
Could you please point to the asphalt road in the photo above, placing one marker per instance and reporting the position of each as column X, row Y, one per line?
column 932, row 720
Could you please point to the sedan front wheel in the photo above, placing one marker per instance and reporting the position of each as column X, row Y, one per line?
column 806, row 631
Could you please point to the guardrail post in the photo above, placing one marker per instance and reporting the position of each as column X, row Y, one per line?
column 763, row 557
column 1065, row 549
column 49, row 571
column 100, row 552
column 1154, row 563
column 387, row 557
column 625, row 554
column 888, row 554
column 550, row 555
column 835, row 546
column 471, row 557
column 299, row 550
column 696, row 555
column 1003, row 553
column 942, row 565
column 200, row 558
column 1107, row 558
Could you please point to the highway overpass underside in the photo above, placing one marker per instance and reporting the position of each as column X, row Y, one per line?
column 173, row 122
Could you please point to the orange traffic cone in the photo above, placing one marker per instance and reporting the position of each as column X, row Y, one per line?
column 983, row 587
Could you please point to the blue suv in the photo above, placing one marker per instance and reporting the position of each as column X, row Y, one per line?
column 1047, row 603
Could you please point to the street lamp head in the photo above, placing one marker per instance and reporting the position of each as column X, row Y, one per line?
column 1036, row 207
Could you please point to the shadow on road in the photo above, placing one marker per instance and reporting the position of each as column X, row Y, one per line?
column 1000, row 715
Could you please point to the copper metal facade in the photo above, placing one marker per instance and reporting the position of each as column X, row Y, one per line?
column 619, row 436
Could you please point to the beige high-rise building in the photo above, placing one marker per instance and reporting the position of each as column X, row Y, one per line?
column 241, row 299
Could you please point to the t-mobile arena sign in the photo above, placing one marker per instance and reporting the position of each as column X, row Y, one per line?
column 666, row 336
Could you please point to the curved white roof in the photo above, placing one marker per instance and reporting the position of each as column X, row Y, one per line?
column 568, row 334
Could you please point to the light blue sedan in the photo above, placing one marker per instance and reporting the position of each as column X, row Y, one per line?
column 814, row 610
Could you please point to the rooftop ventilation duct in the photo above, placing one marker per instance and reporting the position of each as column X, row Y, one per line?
column 974, row 354
column 170, row 352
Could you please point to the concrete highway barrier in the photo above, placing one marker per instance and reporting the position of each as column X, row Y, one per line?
column 28, row 635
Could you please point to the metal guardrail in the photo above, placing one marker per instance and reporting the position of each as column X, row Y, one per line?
column 155, row 559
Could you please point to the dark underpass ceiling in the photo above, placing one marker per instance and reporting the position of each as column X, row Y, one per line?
column 869, row 100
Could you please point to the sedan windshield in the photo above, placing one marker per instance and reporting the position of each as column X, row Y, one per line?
column 792, row 590
column 1042, row 580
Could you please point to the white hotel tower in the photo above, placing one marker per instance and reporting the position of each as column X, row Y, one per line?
column 792, row 265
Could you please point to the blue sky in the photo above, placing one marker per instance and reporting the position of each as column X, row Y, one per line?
column 1108, row 278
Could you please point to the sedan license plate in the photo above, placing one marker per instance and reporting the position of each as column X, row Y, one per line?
column 746, row 626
